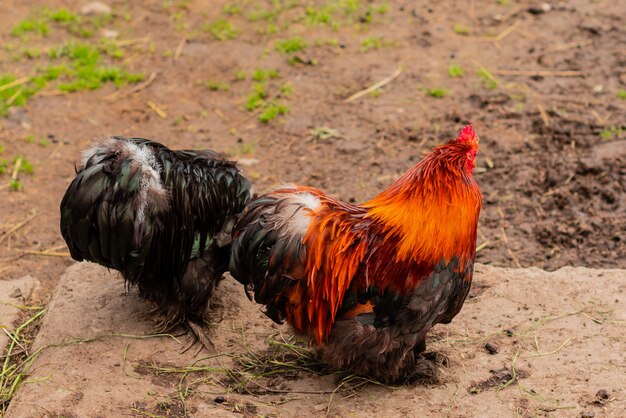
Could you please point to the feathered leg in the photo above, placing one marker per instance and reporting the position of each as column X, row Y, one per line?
column 200, row 334
column 169, row 320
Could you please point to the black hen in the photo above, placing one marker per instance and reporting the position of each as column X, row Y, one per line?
column 162, row 218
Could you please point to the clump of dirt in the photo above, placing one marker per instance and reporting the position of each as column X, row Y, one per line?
column 602, row 398
column 254, row 373
column 566, row 208
column 154, row 369
column 66, row 414
column 242, row 407
column 169, row 408
column 498, row 379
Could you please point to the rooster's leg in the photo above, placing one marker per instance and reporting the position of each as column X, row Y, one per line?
column 200, row 334
column 420, row 347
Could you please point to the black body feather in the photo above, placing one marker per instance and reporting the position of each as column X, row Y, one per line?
column 162, row 218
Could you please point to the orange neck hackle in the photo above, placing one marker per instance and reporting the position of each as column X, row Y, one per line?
column 426, row 216
column 432, row 210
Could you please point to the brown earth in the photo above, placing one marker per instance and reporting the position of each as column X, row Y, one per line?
column 553, row 185
column 505, row 356
column 552, row 165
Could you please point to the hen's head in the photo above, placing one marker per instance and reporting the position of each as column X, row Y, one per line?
column 467, row 140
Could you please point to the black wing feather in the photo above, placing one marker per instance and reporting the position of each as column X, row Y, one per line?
column 108, row 216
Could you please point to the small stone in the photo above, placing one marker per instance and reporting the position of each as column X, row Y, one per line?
column 16, row 293
column 247, row 161
column 18, row 115
column 539, row 9
column 602, row 394
column 219, row 399
column 110, row 33
column 586, row 414
column 491, row 349
column 509, row 332
column 95, row 8
column 350, row 146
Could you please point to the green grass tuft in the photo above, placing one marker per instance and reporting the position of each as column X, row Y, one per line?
column 217, row 85
column 286, row 89
column 372, row 42
column 272, row 111
column 263, row 14
column 232, row 9
column 221, row 29
column 17, row 95
column 489, row 81
column 87, row 71
column 257, row 98
column 455, row 70
column 263, row 75
column 15, row 185
column 62, row 16
column 290, row 46
column 82, row 70
column 437, row 92
column 621, row 94
column 32, row 53
column 606, row 134
column 321, row 16
column 327, row 42
column 375, row 42
column 25, row 166
column 609, row 133
column 460, row 29
column 245, row 148
column 240, row 75
column 371, row 11
column 36, row 26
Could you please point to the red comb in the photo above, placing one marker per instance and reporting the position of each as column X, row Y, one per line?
column 467, row 134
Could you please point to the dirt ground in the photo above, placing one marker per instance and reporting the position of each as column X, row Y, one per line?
column 554, row 357
column 543, row 83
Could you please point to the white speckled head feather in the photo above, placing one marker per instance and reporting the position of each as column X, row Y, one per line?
column 151, row 191
column 293, row 215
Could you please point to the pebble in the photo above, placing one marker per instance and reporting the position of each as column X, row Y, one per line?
column 19, row 116
column 247, row 161
column 602, row 394
column 95, row 8
column 110, row 33
column 219, row 399
column 491, row 349
column 539, row 9
column 350, row 146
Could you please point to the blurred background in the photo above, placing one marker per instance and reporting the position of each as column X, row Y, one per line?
column 340, row 94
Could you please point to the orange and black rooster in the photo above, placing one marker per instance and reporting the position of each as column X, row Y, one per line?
column 162, row 218
column 368, row 281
